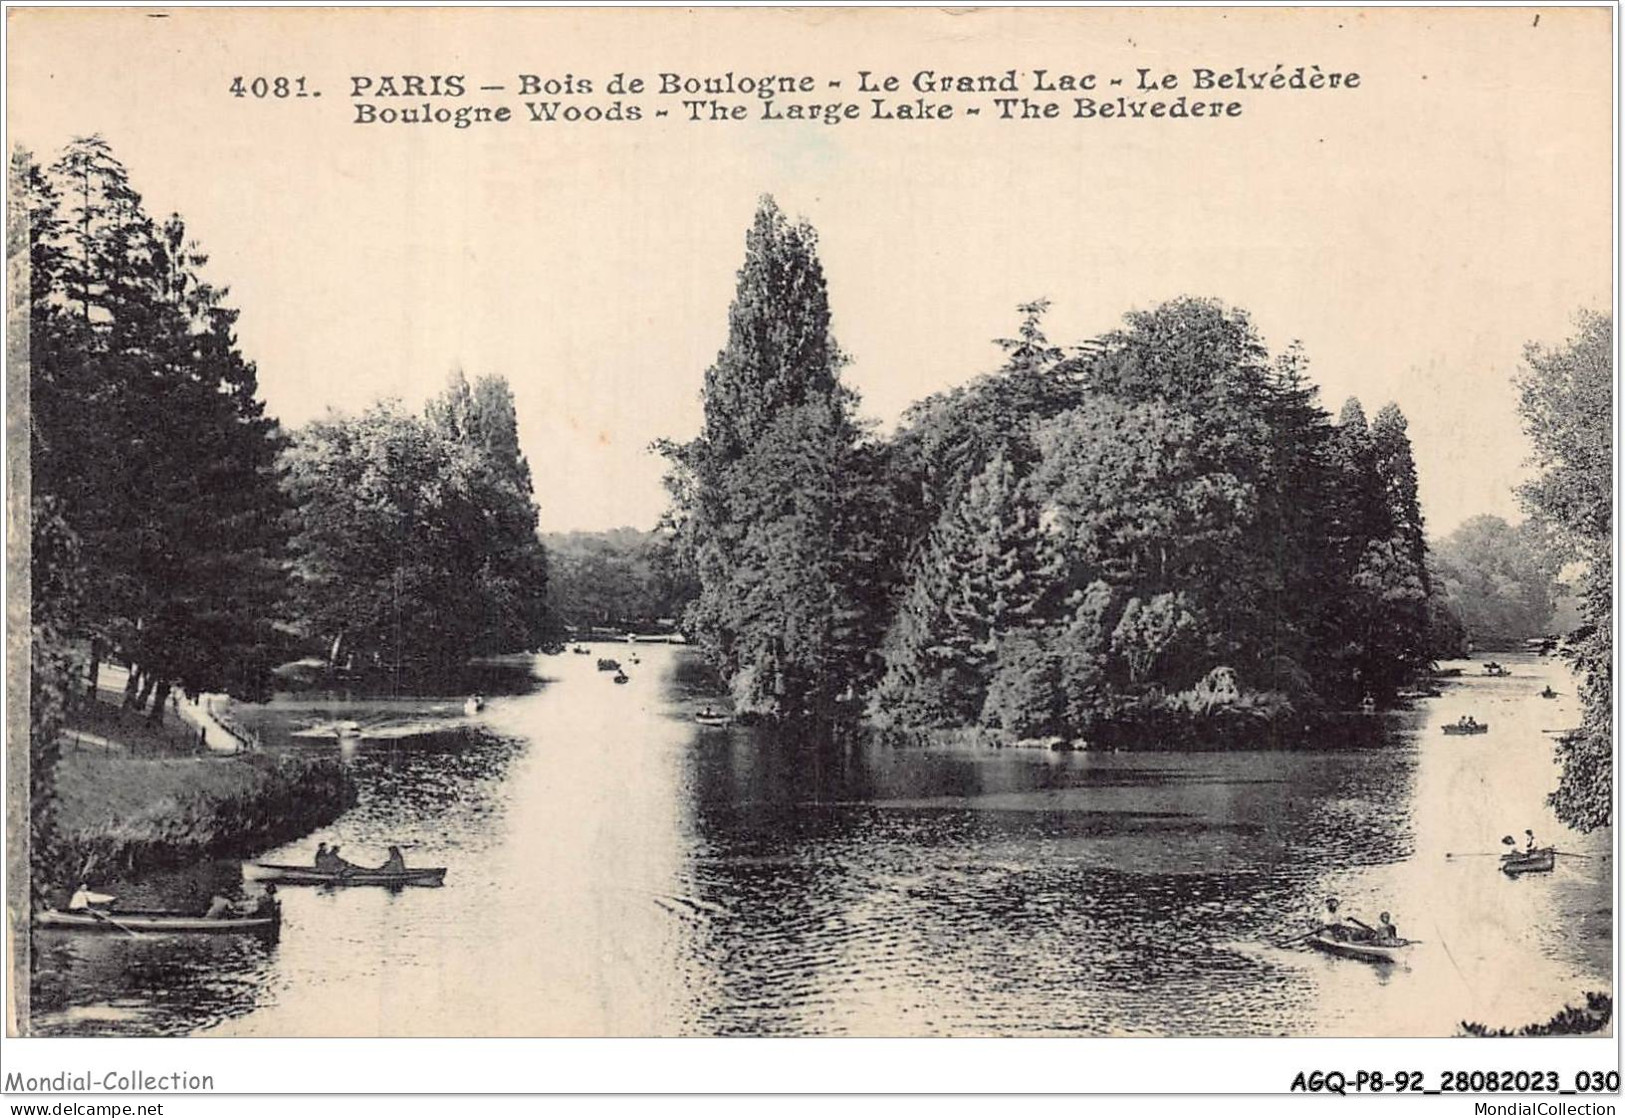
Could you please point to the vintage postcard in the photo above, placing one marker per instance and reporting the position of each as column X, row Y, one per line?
column 913, row 522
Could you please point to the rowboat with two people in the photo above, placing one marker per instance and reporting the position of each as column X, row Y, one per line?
column 709, row 717
column 155, row 922
column 330, row 869
column 92, row 912
column 1531, row 859
column 1467, row 724
column 1351, row 938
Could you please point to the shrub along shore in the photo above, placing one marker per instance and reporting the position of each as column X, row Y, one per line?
column 117, row 814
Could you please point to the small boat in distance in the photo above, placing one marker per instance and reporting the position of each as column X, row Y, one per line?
column 605, row 664
column 283, row 874
column 473, row 705
column 139, row 921
column 1467, row 728
column 622, row 677
column 709, row 717
column 1494, row 669
column 1543, row 860
column 581, row 651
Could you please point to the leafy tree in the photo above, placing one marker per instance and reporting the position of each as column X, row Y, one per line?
column 767, row 498
column 1567, row 408
column 150, row 438
column 1374, row 631
column 1497, row 580
column 417, row 546
column 981, row 567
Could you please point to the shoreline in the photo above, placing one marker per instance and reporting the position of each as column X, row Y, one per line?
column 121, row 815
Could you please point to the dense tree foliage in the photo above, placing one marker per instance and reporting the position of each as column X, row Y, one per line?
column 416, row 544
column 1160, row 519
column 1567, row 408
column 149, row 441
column 774, row 501
column 621, row 578
column 1497, row 580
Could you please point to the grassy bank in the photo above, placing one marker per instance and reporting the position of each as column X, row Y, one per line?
column 119, row 814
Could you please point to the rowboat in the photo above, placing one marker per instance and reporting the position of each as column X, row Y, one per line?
column 161, row 923
column 310, row 875
column 1543, row 860
column 1475, row 728
column 1366, row 951
column 473, row 705
column 712, row 719
column 607, row 665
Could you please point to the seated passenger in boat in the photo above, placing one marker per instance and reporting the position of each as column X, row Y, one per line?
column 1387, row 933
column 322, row 856
column 83, row 899
column 395, row 863
column 262, row 906
column 220, row 908
column 1529, row 845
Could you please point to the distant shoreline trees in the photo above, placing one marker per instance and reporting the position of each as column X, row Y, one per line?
column 1497, row 580
column 1160, row 522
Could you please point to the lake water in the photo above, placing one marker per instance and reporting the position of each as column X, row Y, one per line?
column 615, row 869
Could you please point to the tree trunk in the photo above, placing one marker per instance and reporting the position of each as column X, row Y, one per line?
column 156, row 716
column 148, row 681
column 132, row 687
column 95, row 670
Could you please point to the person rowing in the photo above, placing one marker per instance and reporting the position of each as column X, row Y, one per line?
column 1347, row 927
column 395, row 863
column 262, row 907
column 83, row 899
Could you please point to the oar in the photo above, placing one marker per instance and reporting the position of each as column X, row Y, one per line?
column 1570, row 854
column 1492, row 854
column 120, row 925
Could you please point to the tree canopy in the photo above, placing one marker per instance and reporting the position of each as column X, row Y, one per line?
column 1499, row 581
column 1160, row 516
column 1566, row 401
column 150, row 442
column 416, row 545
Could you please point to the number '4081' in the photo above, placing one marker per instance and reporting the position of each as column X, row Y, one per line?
column 270, row 87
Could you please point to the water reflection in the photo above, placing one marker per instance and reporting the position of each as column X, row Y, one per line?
column 615, row 869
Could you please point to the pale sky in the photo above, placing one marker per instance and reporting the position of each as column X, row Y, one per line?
column 1413, row 233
